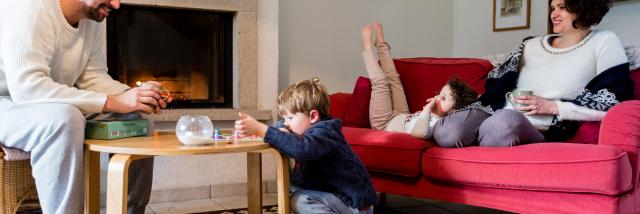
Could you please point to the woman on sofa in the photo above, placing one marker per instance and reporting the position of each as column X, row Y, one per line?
column 389, row 110
column 575, row 75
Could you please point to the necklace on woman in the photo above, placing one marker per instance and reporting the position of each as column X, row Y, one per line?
column 548, row 39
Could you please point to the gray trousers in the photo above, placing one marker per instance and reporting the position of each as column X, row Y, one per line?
column 54, row 135
column 311, row 202
column 474, row 127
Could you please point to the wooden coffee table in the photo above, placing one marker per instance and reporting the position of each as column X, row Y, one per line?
column 127, row 150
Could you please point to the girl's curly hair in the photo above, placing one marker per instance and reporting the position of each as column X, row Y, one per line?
column 463, row 94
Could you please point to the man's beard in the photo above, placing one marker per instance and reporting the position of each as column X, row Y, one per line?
column 96, row 14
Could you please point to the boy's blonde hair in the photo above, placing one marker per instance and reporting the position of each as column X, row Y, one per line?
column 303, row 97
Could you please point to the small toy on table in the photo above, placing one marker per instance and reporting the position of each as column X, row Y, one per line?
column 231, row 136
column 217, row 135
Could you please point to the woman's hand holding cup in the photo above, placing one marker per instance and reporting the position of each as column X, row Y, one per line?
column 512, row 96
column 535, row 105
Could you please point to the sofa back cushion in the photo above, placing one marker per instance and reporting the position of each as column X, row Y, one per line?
column 357, row 113
column 422, row 78
column 338, row 104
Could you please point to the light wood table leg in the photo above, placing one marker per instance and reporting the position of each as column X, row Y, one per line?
column 282, row 178
column 254, row 182
column 118, row 182
column 91, row 182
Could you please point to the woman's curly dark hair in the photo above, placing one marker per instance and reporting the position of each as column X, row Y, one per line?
column 588, row 12
column 462, row 93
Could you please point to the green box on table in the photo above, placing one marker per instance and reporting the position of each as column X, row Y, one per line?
column 115, row 129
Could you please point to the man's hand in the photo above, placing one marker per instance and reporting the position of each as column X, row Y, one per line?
column 536, row 105
column 156, row 87
column 145, row 98
column 247, row 125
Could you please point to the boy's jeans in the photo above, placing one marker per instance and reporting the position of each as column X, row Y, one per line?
column 310, row 201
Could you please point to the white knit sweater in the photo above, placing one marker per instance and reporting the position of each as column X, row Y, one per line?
column 556, row 74
column 44, row 59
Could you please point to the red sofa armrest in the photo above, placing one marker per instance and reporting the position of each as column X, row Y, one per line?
column 621, row 128
column 338, row 104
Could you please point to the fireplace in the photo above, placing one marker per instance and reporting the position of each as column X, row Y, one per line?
column 189, row 51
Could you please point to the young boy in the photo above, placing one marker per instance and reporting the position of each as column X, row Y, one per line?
column 328, row 177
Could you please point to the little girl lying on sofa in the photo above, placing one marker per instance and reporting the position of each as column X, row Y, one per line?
column 388, row 109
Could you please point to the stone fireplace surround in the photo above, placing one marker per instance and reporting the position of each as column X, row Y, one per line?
column 255, row 74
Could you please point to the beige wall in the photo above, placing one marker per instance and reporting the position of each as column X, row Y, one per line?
column 473, row 28
column 322, row 38
column 473, row 35
column 623, row 20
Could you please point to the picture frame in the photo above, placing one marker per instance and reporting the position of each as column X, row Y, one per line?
column 511, row 14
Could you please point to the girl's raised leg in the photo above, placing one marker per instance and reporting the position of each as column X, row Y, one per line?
column 380, row 105
column 398, row 97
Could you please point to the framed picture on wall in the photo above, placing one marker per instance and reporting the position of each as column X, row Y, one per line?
column 511, row 14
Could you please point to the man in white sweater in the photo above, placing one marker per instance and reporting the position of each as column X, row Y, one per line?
column 52, row 72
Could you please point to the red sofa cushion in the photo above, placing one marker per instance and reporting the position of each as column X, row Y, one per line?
column 387, row 152
column 338, row 104
column 422, row 78
column 563, row 167
column 357, row 112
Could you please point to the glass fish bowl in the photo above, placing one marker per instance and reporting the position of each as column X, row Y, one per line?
column 194, row 129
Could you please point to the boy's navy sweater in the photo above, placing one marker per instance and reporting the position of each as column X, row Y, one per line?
column 325, row 162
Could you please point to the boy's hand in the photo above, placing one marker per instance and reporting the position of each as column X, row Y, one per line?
column 248, row 125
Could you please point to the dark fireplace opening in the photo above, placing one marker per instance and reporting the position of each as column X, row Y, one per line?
column 188, row 51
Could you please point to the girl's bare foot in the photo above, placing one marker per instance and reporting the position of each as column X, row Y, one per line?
column 366, row 37
column 377, row 27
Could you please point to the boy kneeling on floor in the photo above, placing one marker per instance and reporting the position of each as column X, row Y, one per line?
column 328, row 177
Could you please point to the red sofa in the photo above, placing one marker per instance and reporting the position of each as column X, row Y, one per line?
column 597, row 171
